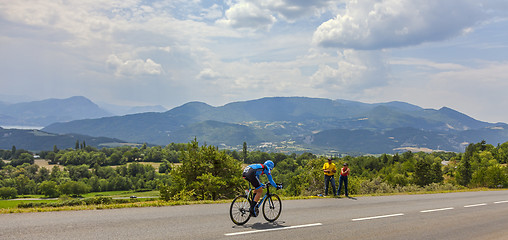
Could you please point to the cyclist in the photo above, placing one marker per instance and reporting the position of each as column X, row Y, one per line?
column 251, row 173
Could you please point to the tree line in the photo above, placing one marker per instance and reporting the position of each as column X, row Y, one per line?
column 192, row 171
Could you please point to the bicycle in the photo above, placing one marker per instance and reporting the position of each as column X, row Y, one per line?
column 271, row 206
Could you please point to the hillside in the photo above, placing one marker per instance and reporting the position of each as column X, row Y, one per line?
column 35, row 140
column 295, row 124
column 45, row 112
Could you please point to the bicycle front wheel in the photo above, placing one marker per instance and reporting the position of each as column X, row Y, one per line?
column 272, row 207
column 239, row 210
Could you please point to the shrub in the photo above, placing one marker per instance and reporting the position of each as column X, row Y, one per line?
column 8, row 192
column 49, row 189
column 375, row 185
column 441, row 187
column 98, row 200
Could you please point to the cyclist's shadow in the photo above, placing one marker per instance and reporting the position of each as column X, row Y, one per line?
column 263, row 226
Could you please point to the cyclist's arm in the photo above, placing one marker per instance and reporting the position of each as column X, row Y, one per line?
column 269, row 175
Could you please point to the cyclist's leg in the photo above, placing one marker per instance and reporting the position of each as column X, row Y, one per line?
column 250, row 175
column 256, row 184
column 259, row 193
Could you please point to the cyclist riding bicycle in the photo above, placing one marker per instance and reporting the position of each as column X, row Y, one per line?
column 251, row 173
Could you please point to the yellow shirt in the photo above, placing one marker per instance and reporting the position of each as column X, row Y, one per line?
column 330, row 167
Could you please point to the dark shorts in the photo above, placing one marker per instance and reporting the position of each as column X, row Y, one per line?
column 250, row 175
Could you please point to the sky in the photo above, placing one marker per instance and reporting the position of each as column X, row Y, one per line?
column 430, row 53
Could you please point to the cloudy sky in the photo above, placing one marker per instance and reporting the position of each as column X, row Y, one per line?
column 431, row 53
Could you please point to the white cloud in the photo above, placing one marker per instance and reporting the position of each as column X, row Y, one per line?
column 133, row 67
column 372, row 24
column 208, row 74
column 295, row 9
column 248, row 16
column 262, row 14
column 214, row 12
column 355, row 71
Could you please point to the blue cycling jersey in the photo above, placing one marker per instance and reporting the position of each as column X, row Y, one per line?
column 260, row 171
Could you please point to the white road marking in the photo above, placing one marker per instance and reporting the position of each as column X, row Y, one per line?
column 475, row 205
column 375, row 217
column 274, row 229
column 501, row 202
column 435, row 210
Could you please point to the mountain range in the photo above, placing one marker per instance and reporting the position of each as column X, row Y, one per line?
column 297, row 124
column 48, row 111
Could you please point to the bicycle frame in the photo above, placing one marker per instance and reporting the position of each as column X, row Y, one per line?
column 250, row 196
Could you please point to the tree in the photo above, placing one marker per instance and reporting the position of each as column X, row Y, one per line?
column 7, row 154
column 437, row 172
column 49, row 189
column 42, row 175
column 244, row 153
column 78, row 172
column 116, row 159
column 496, row 176
column 464, row 170
column 23, row 158
column 8, row 192
column 502, row 153
column 95, row 184
column 74, row 188
column 25, row 185
column 134, row 169
column 202, row 166
column 153, row 154
column 423, row 174
column 13, row 151
column 165, row 167
column 396, row 157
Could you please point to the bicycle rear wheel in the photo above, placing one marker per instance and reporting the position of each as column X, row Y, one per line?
column 239, row 210
column 272, row 207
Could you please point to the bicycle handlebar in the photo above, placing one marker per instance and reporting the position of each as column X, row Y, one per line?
column 269, row 184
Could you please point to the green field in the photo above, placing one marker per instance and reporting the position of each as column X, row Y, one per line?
column 13, row 203
column 114, row 194
column 6, row 204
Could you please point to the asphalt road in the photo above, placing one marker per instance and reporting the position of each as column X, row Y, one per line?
column 469, row 215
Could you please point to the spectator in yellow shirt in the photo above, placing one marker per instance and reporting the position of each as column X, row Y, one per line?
column 329, row 170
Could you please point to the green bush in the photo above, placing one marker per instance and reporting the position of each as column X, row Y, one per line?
column 375, row 185
column 206, row 173
column 49, row 189
column 75, row 202
column 8, row 192
column 98, row 200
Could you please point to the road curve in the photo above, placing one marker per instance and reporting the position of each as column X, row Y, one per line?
column 468, row 215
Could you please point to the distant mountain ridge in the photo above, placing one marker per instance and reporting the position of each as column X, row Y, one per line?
column 44, row 112
column 48, row 111
column 118, row 110
column 296, row 124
